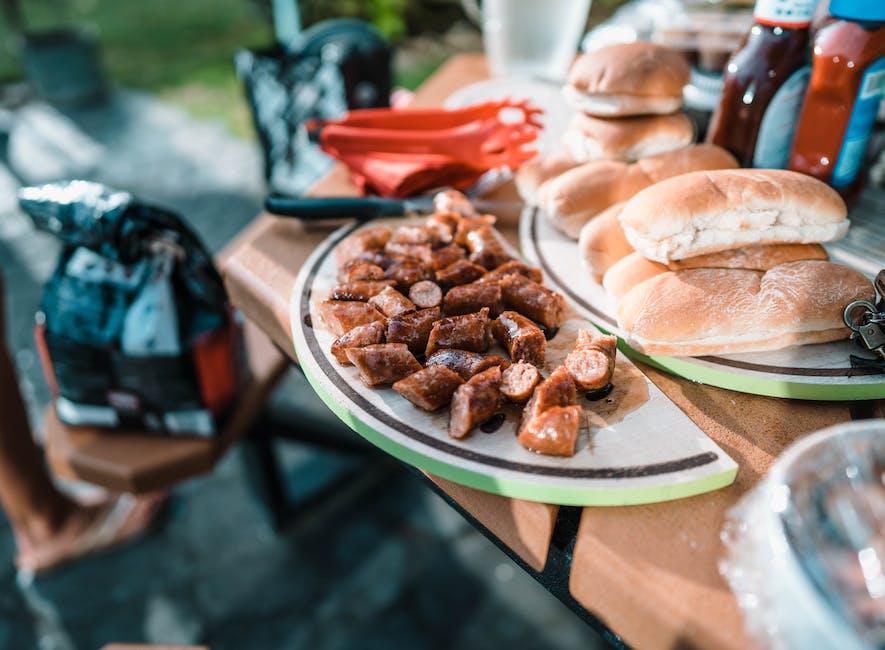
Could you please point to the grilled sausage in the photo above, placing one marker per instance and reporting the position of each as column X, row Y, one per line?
column 475, row 402
column 486, row 249
column 358, row 269
column 467, row 332
column 518, row 381
column 358, row 337
column 453, row 202
column 405, row 273
column 341, row 316
column 376, row 257
column 446, row 256
column 467, row 225
column 530, row 299
column 391, row 303
column 445, row 220
column 383, row 363
column 468, row 298
column 425, row 294
column 413, row 329
column 523, row 339
column 592, row 362
column 353, row 245
column 554, row 432
column 513, row 266
column 419, row 252
column 464, row 363
column 460, row 272
column 360, row 290
column 591, row 337
column 557, row 390
column 432, row 233
column 430, row 388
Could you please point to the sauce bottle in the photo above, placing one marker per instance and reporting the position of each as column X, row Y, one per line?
column 764, row 85
column 846, row 88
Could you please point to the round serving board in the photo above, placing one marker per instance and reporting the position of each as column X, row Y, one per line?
column 636, row 446
column 814, row 372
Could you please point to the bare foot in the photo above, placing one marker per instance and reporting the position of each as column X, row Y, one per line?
column 92, row 528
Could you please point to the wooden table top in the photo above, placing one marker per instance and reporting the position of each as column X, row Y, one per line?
column 649, row 573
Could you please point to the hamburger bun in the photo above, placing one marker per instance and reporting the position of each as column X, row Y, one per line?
column 627, row 139
column 533, row 173
column 602, row 242
column 707, row 212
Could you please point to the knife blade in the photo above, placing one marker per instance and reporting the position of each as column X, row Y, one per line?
column 364, row 208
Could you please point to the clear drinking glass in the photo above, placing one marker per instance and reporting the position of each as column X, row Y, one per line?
column 530, row 38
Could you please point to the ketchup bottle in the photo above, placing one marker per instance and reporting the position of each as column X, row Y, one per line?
column 846, row 88
column 764, row 85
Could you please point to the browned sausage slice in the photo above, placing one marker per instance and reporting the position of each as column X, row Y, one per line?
column 514, row 266
column 475, row 402
column 425, row 294
column 539, row 303
column 446, row 256
column 469, row 298
column 392, row 303
column 460, row 272
column 467, row 332
column 358, row 337
column 523, row 339
column 430, row 388
column 341, row 316
column 432, row 233
column 486, row 249
column 557, row 390
column 406, row 273
column 360, row 290
column 590, row 368
column 467, row 225
column 413, row 329
column 465, row 363
column 518, row 381
column 353, row 245
column 553, row 432
column 418, row 252
column 383, row 363
column 357, row 269
column 592, row 338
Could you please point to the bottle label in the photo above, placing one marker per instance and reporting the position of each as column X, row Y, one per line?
column 784, row 13
column 778, row 126
column 854, row 143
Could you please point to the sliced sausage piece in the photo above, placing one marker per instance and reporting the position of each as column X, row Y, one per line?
column 405, row 273
column 539, row 303
column 360, row 290
column 553, row 432
column 460, row 272
column 413, row 329
column 446, row 256
column 341, row 316
column 418, row 252
column 475, row 402
column 468, row 332
column 467, row 225
column 446, row 221
column 523, row 339
column 518, row 381
column 591, row 337
column 591, row 369
column 383, row 363
column 468, row 298
column 432, row 233
column 486, row 248
column 391, row 303
column 430, row 388
column 353, row 245
column 453, row 202
column 357, row 269
column 557, row 390
column 465, row 363
column 425, row 294
column 514, row 266
column 358, row 337
column 376, row 257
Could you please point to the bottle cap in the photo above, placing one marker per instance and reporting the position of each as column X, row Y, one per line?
column 872, row 11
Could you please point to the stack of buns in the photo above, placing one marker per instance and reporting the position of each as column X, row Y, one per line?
column 627, row 133
column 729, row 261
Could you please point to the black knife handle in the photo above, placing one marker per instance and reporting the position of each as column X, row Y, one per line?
column 312, row 209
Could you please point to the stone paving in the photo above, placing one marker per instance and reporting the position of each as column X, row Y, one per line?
column 384, row 563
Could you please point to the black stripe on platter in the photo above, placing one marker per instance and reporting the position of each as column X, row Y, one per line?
column 326, row 367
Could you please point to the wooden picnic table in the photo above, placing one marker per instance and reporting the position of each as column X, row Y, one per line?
column 644, row 575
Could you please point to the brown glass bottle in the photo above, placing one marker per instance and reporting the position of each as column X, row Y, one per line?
column 771, row 64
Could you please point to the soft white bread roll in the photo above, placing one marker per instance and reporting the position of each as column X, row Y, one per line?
column 573, row 198
column 634, row 268
column 627, row 139
column 602, row 242
column 533, row 173
column 706, row 212
column 628, row 79
column 723, row 311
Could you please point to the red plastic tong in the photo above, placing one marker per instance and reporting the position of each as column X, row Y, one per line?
column 403, row 152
